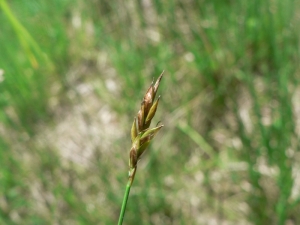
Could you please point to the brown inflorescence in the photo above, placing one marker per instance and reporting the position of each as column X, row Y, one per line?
column 141, row 134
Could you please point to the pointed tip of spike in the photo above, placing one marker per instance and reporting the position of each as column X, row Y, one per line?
column 156, row 85
column 161, row 75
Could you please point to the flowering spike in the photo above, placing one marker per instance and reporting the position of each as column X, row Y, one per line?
column 142, row 149
column 148, row 98
column 156, row 85
column 141, row 134
column 152, row 111
column 141, row 117
column 133, row 130
column 132, row 158
column 151, row 132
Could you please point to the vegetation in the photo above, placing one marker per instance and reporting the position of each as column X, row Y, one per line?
column 72, row 75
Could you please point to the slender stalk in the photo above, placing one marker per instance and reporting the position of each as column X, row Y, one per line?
column 126, row 194
column 122, row 213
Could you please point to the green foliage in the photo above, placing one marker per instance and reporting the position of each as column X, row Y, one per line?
column 229, row 150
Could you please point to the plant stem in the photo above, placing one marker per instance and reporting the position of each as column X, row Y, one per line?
column 126, row 194
column 122, row 213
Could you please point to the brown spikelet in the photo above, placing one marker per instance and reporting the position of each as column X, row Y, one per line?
column 132, row 158
column 152, row 111
column 147, row 112
column 134, row 130
column 148, row 98
column 141, row 134
column 156, row 85
column 141, row 117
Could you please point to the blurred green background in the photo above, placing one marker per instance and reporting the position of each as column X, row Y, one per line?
column 72, row 77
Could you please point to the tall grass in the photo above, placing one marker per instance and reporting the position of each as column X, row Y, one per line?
column 230, row 111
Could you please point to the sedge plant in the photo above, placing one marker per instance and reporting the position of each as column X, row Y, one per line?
column 141, row 136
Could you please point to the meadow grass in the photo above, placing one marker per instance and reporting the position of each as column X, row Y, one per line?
column 230, row 107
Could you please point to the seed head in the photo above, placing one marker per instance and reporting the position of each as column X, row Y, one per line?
column 141, row 134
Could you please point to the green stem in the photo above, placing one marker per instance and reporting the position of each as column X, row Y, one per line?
column 122, row 213
column 128, row 186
